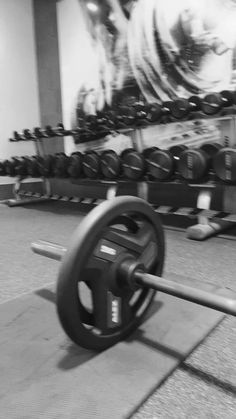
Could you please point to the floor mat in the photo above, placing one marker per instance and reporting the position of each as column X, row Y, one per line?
column 44, row 375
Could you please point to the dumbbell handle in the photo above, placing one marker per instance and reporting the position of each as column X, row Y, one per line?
column 185, row 292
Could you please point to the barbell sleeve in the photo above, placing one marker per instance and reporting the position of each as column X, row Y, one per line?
column 195, row 295
column 48, row 249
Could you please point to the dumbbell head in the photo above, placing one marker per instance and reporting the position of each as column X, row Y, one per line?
column 154, row 112
column 50, row 132
column 214, row 102
column 110, row 164
column 133, row 164
column 176, row 150
column 211, row 148
column 224, row 164
column 32, row 164
column 60, row 166
column 21, row 168
column 28, row 134
column 179, row 108
column 211, row 104
column 193, row 164
column 75, row 165
column 10, row 166
column 46, row 165
column 3, row 168
column 148, row 151
column 228, row 97
column 160, row 164
column 91, row 164
column 126, row 115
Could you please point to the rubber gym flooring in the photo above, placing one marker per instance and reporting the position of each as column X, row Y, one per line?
column 181, row 363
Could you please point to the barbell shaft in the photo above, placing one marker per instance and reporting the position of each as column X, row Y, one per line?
column 195, row 295
column 48, row 249
column 185, row 292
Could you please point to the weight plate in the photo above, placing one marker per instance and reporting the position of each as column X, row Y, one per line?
column 110, row 164
column 112, row 312
column 224, row 165
column 160, row 164
column 193, row 164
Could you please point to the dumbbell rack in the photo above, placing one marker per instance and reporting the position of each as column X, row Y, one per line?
column 23, row 197
column 19, row 197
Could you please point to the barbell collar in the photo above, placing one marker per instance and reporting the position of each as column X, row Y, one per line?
column 195, row 295
column 48, row 249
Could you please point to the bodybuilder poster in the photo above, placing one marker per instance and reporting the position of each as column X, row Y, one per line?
column 154, row 50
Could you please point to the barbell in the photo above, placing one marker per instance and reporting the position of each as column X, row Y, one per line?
column 111, row 271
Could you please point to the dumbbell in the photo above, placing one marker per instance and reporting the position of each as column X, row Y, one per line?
column 46, row 166
column 91, row 164
column 195, row 163
column 10, row 166
column 33, row 165
column 154, row 112
column 180, row 108
column 160, row 163
column 110, row 164
column 224, row 164
column 212, row 103
column 133, row 164
column 177, row 149
column 60, row 165
column 74, row 168
column 126, row 116
column 17, row 137
column 3, row 168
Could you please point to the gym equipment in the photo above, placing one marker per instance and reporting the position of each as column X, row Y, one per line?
column 46, row 166
column 180, row 108
column 126, row 116
column 61, row 165
column 116, row 255
column 176, row 150
column 212, row 103
column 32, row 166
column 133, row 164
column 11, row 165
column 154, row 113
column 160, row 164
column 74, row 168
column 3, row 168
column 195, row 163
column 110, row 164
column 224, row 164
column 91, row 164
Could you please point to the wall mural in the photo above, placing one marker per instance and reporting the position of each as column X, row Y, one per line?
column 157, row 50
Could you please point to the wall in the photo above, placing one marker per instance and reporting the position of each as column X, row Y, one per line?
column 19, row 106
